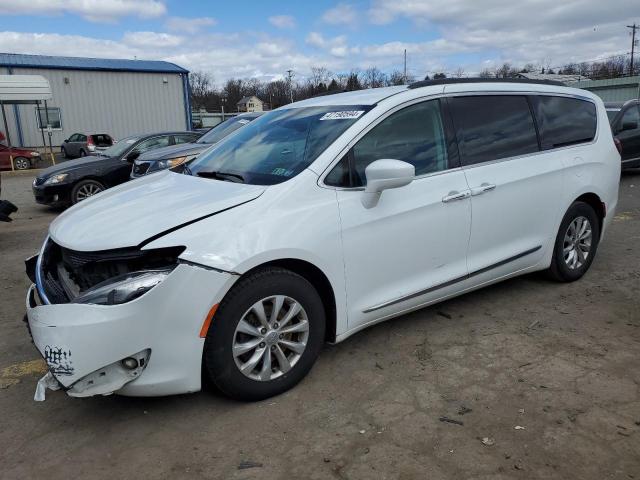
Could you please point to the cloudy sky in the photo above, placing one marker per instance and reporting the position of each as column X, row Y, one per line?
column 265, row 38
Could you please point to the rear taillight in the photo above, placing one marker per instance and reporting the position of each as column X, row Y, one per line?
column 90, row 140
column 618, row 145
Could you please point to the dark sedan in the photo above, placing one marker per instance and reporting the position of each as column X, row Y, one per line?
column 71, row 182
column 173, row 156
column 625, row 125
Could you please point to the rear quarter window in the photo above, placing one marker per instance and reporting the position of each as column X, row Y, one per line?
column 564, row 121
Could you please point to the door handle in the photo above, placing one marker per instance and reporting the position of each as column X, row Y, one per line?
column 455, row 195
column 484, row 188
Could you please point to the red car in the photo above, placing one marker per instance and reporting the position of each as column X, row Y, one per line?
column 22, row 158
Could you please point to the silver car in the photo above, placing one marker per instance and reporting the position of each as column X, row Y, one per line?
column 81, row 145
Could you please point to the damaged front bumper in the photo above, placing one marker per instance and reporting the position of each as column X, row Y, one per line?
column 147, row 347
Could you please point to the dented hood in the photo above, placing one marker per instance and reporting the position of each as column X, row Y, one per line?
column 127, row 215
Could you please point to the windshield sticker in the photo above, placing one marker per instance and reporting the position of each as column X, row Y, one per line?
column 281, row 172
column 342, row 115
column 243, row 122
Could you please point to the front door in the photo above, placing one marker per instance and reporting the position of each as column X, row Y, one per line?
column 628, row 132
column 410, row 248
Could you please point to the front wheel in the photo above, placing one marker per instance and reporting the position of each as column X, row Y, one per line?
column 85, row 189
column 21, row 163
column 266, row 335
column 576, row 243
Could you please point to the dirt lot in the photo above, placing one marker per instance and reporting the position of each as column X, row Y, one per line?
column 548, row 373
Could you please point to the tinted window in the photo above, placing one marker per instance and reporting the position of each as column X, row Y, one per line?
column 493, row 127
column 611, row 114
column 564, row 121
column 82, row 138
column 74, row 137
column 152, row 143
column 339, row 175
column 184, row 138
column 414, row 134
column 120, row 147
column 630, row 117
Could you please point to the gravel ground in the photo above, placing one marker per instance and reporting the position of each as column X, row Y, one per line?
column 526, row 379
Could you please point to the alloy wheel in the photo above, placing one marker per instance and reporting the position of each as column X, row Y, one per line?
column 577, row 242
column 270, row 338
column 86, row 191
column 21, row 163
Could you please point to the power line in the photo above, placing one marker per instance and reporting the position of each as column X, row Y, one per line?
column 633, row 28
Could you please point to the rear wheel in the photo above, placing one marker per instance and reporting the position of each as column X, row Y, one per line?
column 85, row 189
column 576, row 243
column 265, row 336
column 21, row 163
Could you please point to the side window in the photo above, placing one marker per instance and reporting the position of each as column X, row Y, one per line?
column 630, row 119
column 414, row 134
column 491, row 127
column 81, row 138
column 184, row 138
column 152, row 143
column 340, row 175
column 74, row 137
column 564, row 121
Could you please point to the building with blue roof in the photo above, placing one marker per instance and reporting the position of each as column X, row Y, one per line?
column 98, row 95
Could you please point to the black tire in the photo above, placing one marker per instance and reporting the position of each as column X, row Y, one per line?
column 82, row 153
column 64, row 152
column 77, row 194
column 218, row 357
column 22, row 163
column 560, row 270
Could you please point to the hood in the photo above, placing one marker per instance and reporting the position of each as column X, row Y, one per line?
column 127, row 215
column 70, row 165
column 173, row 151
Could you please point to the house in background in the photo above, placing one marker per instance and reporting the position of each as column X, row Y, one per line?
column 250, row 104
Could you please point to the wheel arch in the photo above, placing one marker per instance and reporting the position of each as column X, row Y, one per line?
column 318, row 279
column 595, row 202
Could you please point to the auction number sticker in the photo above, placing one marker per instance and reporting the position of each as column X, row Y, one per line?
column 342, row 115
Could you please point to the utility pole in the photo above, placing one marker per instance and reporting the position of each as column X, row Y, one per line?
column 405, row 66
column 290, row 80
column 633, row 28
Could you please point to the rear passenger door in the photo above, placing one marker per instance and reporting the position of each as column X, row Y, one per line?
column 628, row 132
column 515, row 189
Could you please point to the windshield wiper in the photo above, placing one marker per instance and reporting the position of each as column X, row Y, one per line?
column 231, row 177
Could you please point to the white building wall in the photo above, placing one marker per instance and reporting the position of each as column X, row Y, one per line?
column 117, row 103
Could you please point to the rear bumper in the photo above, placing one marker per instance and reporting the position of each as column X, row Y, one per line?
column 83, row 345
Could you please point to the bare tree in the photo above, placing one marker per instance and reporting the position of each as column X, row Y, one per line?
column 201, row 84
column 373, row 78
column 486, row 73
column 459, row 73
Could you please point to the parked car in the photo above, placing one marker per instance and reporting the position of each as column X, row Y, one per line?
column 313, row 222
column 172, row 156
column 23, row 158
column 625, row 125
column 75, row 180
column 6, row 207
column 81, row 145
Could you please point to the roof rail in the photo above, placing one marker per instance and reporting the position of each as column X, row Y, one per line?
column 450, row 81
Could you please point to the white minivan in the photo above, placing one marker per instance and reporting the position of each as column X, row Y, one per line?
column 313, row 222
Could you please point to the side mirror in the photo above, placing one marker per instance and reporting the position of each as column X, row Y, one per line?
column 66, row 140
column 132, row 156
column 384, row 174
column 629, row 126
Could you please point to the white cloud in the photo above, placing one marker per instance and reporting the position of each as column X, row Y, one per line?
column 282, row 21
column 189, row 25
column 92, row 10
column 343, row 13
column 151, row 39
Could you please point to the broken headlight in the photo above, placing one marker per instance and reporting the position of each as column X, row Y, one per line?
column 123, row 288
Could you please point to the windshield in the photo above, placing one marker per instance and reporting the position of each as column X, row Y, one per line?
column 119, row 148
column 611, row 113
column 223, row 129
column 278, row 145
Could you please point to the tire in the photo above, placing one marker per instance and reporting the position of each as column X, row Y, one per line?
column 64, row 152
column 261, row 288
column 22, row 163
column 85, row 189
column 82, row 153
column 565, row 265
